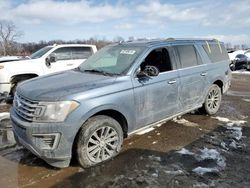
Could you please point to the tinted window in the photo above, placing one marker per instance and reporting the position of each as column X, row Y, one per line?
column 216, row 52
column 158, row 58
column 188, row 56
column 62, row 53
column 81, row 52
column 67, row 53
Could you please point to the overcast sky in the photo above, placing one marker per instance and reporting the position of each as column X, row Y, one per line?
column 227, row 20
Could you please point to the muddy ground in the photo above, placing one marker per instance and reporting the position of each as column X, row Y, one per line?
column 192, row 151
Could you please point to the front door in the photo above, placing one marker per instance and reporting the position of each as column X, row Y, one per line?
column 68, row 58
column 156, row 97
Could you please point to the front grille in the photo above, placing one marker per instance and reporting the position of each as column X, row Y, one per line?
column 25, row 108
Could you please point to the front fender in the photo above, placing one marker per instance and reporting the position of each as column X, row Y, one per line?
column 125, row 112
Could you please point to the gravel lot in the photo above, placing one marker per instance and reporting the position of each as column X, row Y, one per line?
column 192, row 151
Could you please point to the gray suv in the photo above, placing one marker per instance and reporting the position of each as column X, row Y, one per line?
column 122, row 88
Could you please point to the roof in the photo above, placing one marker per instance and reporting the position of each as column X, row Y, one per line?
column 71, row 45
column 164, row 41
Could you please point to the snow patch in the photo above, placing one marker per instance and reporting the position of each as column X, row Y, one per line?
column 201, row 170
column 246, row 100
column 185, row 122
column 144, row 131
column 154, row 142
column 212, row 154
column 175, row 172
column 241, row 72
column 4, row 115
column 201, row 185
column 236, row 132
column 222, row 119
column 154, row 158
column 233, row 144
column 229, row 122
column 184, row 151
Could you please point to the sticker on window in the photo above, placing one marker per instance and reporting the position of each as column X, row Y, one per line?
column 129, row 52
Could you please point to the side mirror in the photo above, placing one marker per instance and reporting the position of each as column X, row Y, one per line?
column 52, row 58
column 47, row 62
column 149, row 71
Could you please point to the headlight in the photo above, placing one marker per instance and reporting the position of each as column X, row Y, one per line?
column 56, row 111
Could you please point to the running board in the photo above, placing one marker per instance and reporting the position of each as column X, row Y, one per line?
column 163, row 120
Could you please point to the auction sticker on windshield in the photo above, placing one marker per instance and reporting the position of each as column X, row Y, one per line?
column 129, row 52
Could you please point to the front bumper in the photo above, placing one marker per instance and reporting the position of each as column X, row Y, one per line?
column 29, row 135
column 5, row 88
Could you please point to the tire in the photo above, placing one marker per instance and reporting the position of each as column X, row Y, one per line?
column 100, row 139
column 213, row 100
column 12, row 93
column 13, row 90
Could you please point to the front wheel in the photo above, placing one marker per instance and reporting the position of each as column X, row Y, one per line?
column 213, row 100
column 99, row 140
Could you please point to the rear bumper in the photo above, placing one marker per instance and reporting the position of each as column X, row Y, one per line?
column 227, row 81
column 26, row 134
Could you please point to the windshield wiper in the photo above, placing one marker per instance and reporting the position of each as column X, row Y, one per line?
column 99, row 71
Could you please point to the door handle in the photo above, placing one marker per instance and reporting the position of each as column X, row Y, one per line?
column 203, row 73
column 70, row 64
column 171, row 81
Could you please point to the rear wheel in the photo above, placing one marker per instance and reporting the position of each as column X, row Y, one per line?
column 99, row 140
column 213, row 100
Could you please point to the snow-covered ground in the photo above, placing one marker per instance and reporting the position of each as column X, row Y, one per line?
column 241, row 72
column 4, row 115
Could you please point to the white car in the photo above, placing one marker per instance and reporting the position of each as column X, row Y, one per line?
column 233, row 55
column 9, row 58
column 47, row 60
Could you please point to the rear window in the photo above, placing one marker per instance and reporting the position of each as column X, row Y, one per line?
column 216, row 52
column 188, row 56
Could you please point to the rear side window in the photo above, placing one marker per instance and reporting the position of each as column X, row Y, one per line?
column 68, row 53
column 215, row 52
column 81, row 52
column 188, row 56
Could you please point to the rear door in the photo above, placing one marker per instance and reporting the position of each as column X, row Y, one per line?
column 156, row 97
column 193, row 76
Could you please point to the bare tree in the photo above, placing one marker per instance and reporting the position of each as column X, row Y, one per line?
column 8, row 35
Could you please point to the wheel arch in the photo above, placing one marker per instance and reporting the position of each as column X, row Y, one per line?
column 220, row 84
column 19, row 77
column 25, row 76
column 120, row 117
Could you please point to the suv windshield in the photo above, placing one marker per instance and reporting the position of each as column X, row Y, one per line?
column 40, row 52
column 112, row 59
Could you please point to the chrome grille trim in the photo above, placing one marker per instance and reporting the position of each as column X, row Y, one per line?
column 25, row 108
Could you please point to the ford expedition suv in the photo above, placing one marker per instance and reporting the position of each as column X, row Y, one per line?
column 122, row 88
column 47, row 60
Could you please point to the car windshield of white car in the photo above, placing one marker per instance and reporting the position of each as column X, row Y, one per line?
column 40, row 52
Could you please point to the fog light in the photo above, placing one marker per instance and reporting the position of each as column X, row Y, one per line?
column 47, row 141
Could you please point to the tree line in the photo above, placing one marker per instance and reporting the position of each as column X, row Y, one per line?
column 9, row 34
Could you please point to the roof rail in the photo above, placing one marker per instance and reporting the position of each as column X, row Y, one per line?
column 188, row 39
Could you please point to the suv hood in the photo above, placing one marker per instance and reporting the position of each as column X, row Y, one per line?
column 56, row 86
